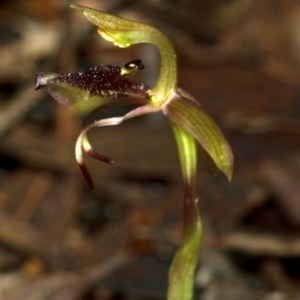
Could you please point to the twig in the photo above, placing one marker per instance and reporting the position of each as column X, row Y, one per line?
column 66, row 286
column 257, row 244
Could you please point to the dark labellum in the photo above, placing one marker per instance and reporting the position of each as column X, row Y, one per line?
column 105, row 81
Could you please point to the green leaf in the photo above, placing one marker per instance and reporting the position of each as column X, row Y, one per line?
column 190, row 116
column 182, row 270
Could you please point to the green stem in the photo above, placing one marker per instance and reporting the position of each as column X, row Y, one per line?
column 182, row 271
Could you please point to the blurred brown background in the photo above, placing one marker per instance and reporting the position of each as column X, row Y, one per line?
column 59, row 240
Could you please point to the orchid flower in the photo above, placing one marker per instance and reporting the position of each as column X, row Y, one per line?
column 189, row 122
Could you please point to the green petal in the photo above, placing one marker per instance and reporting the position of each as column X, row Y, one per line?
column 190, row 116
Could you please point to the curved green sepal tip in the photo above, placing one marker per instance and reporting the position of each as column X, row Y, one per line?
column 110, row 22
column 120, row 31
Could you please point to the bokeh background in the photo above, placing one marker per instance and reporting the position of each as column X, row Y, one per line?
column 59, row 240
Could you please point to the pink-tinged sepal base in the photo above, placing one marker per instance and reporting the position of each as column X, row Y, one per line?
column 83, row 145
